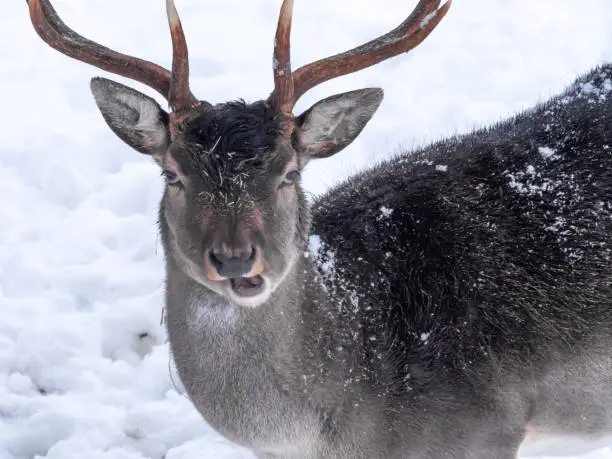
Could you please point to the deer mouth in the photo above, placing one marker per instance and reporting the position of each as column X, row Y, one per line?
column 247, row 286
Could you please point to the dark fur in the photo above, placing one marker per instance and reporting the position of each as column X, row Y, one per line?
column 233, row 138
column 472, row 277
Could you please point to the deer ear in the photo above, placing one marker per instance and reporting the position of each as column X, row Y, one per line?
column 333, row 123
column 137, row 119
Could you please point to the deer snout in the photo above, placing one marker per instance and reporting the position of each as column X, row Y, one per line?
column 228, row 262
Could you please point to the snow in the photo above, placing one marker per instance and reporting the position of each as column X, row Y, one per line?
column 85, row 370
column 547, row 152
column 427, row 19
column 385, row 212
column 322, row 254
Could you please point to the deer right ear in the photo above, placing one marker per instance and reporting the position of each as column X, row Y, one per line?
column 136, row 118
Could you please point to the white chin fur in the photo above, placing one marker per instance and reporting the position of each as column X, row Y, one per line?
column 252, row 301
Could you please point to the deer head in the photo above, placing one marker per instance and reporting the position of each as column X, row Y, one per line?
column 233, row 216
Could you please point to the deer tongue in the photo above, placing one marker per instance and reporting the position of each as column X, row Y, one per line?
column 247, row 286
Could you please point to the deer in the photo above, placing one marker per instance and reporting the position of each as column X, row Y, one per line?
column 454, row 301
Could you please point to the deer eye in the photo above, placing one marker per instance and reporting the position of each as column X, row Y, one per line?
column 290, row 178
column 170, row 177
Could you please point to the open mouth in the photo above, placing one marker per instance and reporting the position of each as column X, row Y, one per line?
column 247, row 286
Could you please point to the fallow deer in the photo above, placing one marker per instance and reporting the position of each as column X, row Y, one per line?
column 443, row 304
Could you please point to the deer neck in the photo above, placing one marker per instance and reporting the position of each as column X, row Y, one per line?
column 207, row 327
column 236, row 360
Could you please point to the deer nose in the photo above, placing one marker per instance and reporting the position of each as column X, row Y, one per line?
column 234, row 262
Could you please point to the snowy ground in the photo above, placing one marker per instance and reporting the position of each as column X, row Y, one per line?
column 84, row 371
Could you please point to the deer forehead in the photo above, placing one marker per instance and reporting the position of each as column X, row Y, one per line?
column 233, row 138
column 236, row 126
column 231, row 155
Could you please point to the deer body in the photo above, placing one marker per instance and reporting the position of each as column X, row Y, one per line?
column 444, row 304
column 441, row 311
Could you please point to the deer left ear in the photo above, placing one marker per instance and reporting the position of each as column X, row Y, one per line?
column 333, row 123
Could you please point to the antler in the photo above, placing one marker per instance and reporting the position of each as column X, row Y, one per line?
column 281, row 65
column 290, row 86
column 173, row 86
column 180, row 96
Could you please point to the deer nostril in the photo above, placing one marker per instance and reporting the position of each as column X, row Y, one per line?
column 236, row 264
column 215, row 261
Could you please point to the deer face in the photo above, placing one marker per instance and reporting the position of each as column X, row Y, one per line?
column 233, row 216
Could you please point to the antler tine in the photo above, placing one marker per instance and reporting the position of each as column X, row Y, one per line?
column 283, row 81
column 403, row 38
column 179, row 96
column 56, row 34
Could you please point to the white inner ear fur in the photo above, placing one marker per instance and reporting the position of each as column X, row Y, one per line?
column 333, row 123
column 326, row 118
column 148, row 119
